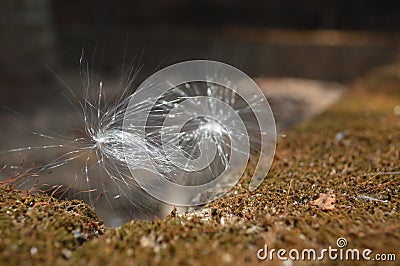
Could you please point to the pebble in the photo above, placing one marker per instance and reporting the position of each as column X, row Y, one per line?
column 227, row 258
column 66, row 253
column 396, row 110
column 33, row 250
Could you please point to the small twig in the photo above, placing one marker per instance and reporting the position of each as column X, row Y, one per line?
column 287, row 195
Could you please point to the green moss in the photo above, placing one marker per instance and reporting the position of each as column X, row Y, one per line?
column 38, row 229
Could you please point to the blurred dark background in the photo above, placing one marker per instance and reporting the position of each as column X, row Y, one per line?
column 308, row 14
column 328, row 40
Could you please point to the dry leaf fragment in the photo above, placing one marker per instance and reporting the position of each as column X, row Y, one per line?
column 325, row 201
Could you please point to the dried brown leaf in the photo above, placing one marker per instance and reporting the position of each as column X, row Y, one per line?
column 325, row 202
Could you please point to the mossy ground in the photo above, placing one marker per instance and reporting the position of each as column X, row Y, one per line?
column 39, row 229
column 349, row 149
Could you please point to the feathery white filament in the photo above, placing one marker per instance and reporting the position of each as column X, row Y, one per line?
column 184, row 136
